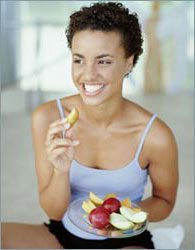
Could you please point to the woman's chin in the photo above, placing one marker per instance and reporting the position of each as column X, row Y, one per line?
column 91, row 101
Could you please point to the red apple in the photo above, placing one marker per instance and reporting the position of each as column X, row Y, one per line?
column 112, row 205
column 99, row 217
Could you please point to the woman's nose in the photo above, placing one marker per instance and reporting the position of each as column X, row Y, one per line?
column 90, row 72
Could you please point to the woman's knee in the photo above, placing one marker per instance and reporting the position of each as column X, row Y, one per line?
column 4, row 235
column 26, row 236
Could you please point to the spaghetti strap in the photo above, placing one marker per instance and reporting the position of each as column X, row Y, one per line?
column 146, row 130
column 61, row 111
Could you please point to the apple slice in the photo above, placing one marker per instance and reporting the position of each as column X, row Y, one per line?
column 88, row 206
column 139, row 217
column 120, row 222
column 127, row 212
column 95, row 199
column 73, row 117
column 135, row 217
column 137, row 226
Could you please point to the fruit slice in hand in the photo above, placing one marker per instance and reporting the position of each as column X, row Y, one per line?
column 120, row 222
column 73, row 117
column 126, row 202
column 95, row 199
column 88, row 206
column 130, row 214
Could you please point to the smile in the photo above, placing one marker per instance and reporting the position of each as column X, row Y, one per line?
column 93, row 89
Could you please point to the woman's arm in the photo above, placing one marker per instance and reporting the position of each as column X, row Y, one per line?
column 163, row 172
column 52, row 163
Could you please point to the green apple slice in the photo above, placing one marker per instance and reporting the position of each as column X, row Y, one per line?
column 135, row 217
column 120, row 222
column 139, row 217
column 127, row 212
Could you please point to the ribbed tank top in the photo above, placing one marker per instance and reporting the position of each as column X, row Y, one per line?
column 127, row 181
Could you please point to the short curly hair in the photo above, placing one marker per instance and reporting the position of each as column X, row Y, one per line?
column 110, row 16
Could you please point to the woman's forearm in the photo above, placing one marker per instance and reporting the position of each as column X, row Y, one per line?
column 55, row 198
column 157, row 208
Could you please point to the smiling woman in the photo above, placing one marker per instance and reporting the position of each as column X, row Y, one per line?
column 112, row 148
column 98, row 72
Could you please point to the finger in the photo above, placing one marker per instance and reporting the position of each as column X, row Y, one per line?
column 57, row 152
column 60, row 154
column 54, row 131
column 59, row 142
column 51, row 133
column 59, row 122
column 69, row 133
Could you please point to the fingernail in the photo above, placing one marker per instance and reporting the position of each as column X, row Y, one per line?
column 67, row 125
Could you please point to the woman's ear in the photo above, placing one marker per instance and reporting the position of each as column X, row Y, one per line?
column 129, row 64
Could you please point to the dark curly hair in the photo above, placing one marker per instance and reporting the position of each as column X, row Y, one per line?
column 110, row 16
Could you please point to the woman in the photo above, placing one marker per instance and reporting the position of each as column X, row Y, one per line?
column 112, row 148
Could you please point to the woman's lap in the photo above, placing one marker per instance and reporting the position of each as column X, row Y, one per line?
column 55, row 236
column 67, row 240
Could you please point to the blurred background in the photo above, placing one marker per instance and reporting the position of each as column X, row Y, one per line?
column 35, row 68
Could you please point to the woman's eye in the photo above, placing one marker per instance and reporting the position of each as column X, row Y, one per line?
column 78, row 61
column 104, row 62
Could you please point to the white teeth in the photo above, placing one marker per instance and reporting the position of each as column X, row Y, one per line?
column 93, row 88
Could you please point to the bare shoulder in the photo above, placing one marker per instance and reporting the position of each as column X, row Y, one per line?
column 48, row 112
column 161, row 133
column 161, row 142
column 160, row 138
column 45, row 113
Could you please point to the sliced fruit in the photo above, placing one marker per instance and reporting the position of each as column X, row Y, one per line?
column 136, row 209
column 127, row 212
column 95, row 199
column 109, row 196
column 139, row 217
column 120, row 222
column 135, row 217
column 91, row 204
column 126, row 202
column 73, row 117
column 137, row 226
column 88, row 206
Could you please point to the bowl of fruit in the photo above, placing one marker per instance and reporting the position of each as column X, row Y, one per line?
column 109, row 216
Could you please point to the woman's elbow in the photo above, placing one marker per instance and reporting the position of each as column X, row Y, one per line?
column 52, row 212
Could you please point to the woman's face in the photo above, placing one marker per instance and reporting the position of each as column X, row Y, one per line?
column 98, row 65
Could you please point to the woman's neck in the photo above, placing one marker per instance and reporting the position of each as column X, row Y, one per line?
column 105, row 114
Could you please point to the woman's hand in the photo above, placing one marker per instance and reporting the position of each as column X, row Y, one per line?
column 60, row 149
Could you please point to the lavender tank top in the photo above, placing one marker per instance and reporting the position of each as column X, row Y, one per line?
column 128, row 181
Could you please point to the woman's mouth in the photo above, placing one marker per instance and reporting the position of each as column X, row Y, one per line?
column 92, row 89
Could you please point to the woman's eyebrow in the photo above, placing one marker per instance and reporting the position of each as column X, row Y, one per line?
column 79, row 55
column 103, row 55
column 97, row 57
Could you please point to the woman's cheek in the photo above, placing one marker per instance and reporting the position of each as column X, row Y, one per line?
column 76, row 74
